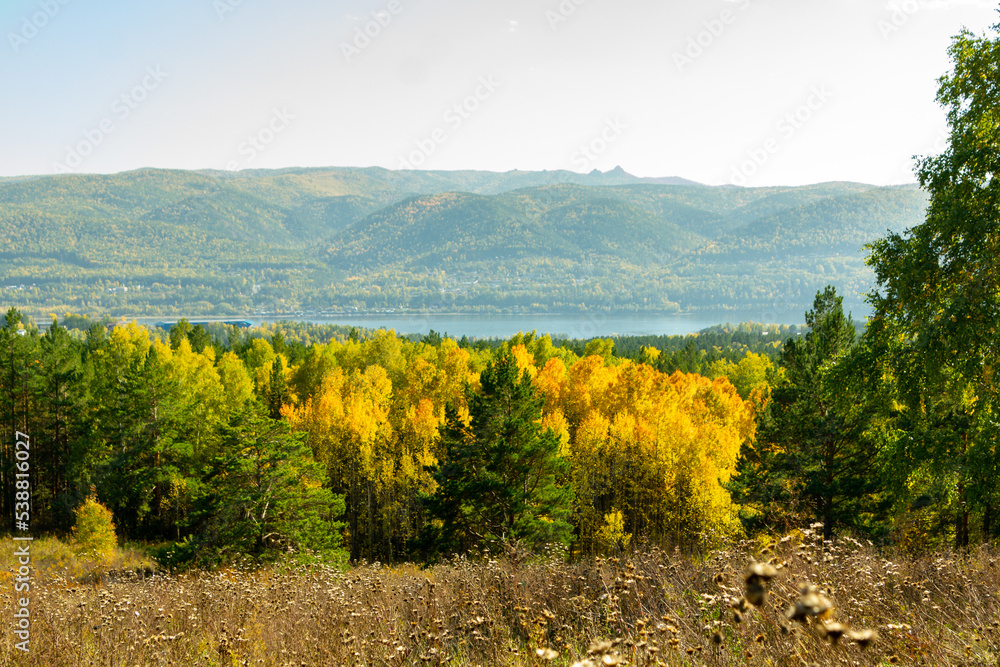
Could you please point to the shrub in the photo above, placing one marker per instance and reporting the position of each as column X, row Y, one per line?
column 94, row 529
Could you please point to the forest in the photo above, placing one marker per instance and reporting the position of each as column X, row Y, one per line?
column 220, row 443
column 189, row 439
column 367, row 445
column 300, row 494
column 182, row 243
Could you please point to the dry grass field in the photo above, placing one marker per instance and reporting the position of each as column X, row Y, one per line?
column 643, row 608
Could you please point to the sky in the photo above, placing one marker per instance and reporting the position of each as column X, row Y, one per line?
column 745, row 92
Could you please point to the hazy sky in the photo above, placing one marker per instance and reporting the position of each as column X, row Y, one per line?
column 754, row 92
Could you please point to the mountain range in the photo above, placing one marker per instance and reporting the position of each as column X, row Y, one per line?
column 153, row 241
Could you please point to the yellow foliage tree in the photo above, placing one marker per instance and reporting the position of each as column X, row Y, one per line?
column 94, row 530
column 650, row 453
column 656, row 448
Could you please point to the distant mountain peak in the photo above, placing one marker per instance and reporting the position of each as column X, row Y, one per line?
column 617, row 171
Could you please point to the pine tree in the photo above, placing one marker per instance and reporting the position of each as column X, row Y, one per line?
column 502, row 479
column 61, row 406
column 18, row 354
column 265, row 490
column 811, row 461
column 132, row 425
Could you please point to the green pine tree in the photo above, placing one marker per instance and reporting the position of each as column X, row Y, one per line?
column 811, row 460
column 502, row 479
column 265, row 491
column 18, row 405
column 61, row 407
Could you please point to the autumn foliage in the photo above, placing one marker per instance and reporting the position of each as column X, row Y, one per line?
column 94, row 529
column 655, row 448
column 262, row 444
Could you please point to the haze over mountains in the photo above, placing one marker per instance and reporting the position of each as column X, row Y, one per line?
column 159, row 242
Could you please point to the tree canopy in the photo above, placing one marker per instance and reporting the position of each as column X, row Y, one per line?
column 937, row 305
column 503, row 479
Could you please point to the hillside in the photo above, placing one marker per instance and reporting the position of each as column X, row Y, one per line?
column 557, row 222
column 211, row 242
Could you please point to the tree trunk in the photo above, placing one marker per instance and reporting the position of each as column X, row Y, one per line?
column 962, row 521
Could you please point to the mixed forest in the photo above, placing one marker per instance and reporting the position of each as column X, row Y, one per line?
column 340, row 443
column 750, row 494
column 217, row 443
column 309, row 242
column 375, row 443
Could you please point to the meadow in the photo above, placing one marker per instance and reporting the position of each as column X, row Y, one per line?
column 827, row 603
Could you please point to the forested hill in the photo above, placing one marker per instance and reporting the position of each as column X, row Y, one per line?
column 211, row 242
column 558, row 222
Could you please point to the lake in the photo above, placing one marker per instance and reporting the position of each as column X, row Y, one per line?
column 571, row 325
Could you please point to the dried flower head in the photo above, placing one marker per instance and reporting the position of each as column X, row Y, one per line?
column 811, row 603
column 863, row 638
column 761, row 571
column 833, row 631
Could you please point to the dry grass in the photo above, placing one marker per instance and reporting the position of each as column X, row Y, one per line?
column 55, row 559
column 648, row 608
